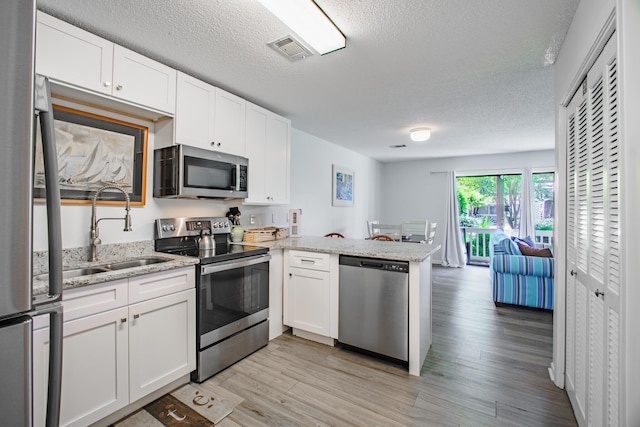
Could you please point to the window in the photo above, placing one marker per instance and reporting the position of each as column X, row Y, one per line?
column 494, row 201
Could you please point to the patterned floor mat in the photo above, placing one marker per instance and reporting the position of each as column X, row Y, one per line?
column 191, row 405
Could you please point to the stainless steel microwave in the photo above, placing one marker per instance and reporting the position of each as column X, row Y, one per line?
column 182, row 171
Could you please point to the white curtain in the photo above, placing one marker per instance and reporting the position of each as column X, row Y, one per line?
column 527, row 227
column 452, row 248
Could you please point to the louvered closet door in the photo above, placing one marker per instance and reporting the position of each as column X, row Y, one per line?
column 593, row 286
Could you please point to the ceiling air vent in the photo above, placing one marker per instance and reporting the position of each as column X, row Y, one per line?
column 398, row 146
column 290, row 47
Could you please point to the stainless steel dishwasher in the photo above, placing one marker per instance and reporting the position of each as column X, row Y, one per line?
column 374, row 305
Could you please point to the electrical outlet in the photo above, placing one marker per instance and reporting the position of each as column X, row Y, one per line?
column 252, row 219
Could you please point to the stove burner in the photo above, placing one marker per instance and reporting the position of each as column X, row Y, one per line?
column 180, row 238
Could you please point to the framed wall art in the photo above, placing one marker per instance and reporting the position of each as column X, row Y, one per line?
column 343, row 186
column 93, row 151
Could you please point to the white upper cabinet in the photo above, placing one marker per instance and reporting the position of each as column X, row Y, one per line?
column 144, row 81
column 268, row 139
column 229, row 125
column 81, row 60
column 69, row 54
column 195, row 112
column 209, row 117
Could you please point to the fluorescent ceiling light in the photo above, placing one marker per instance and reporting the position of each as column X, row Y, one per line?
column 309, row 22
column 420, row 134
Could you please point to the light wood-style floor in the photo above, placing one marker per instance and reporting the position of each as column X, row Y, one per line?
column 487, row 367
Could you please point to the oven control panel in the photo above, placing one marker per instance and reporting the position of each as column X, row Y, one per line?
column 182, row 227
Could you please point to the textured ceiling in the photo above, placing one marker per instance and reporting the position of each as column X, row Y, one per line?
column 477, row 72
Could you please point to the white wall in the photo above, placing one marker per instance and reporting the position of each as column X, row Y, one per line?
column 411, row 192
column 629, row 29
column 311, row 191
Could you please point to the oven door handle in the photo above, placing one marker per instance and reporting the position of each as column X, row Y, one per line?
column 230, row 265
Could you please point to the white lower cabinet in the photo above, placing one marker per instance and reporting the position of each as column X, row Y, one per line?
column 311, row 292
column 114, row 356
column 95, row 368
column 161, row 342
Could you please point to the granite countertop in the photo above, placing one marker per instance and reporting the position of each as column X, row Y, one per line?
column 76, row 258
column 397, row 251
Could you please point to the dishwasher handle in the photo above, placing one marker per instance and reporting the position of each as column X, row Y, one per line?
column 374, row 264
column 370, row 264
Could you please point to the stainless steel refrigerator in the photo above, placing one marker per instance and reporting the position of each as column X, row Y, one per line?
column 25, row 104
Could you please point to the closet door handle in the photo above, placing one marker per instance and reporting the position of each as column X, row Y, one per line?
column 573, row 273
column 599, row 293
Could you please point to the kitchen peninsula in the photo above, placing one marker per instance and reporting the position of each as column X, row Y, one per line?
column 417, row 255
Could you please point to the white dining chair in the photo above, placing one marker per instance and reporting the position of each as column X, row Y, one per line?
column 431, row 233
column 393, row 230
column 415, row 227
column 371, row 224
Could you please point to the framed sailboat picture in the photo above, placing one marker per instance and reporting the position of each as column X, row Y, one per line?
column 94, row 151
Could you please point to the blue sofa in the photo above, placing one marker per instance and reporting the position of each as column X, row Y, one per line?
column 518, row 279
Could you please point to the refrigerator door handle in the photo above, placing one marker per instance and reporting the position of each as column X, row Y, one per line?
column 44, row 108
column 54, row 392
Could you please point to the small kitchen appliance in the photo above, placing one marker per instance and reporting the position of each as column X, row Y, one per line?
column 232, row 283
column 182, row 171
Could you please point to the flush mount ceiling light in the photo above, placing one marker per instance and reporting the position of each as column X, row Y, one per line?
column 309, row 22
column 420, row 134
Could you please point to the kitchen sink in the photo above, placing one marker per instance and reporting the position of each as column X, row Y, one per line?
column 139, row 262
column 103, row 268
column 76, row 272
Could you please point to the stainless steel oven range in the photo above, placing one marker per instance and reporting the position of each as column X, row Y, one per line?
column 233, row 290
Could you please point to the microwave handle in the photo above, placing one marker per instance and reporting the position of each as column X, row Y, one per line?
column 236, row 177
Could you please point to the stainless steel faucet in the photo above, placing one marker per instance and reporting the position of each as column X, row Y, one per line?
column 95, row 233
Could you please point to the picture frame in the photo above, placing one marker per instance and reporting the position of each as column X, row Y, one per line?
column 343, row 183
column 94, row 151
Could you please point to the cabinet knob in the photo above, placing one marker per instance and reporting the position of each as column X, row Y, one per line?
column 136, row 316
column 290, row 274
column 123, row 320
column 106, row 84
column 119, row 87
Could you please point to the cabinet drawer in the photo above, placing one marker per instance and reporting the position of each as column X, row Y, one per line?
column 310, row 260
column 94, row 299
column 156, row 285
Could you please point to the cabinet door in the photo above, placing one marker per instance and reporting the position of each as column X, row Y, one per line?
column 308, row 300
column 144, row 81
column 95, row 368
column 277, row 159
column 70, row 55
column 256, row 146
column 195, row 112
column 268, row 148
column 162, row 341
column 229, row 126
